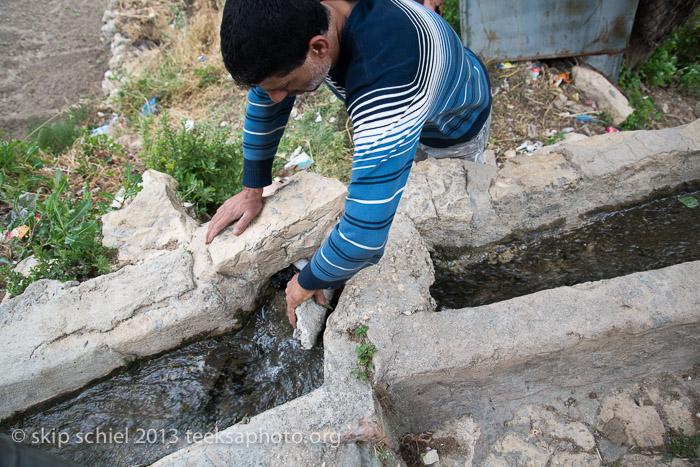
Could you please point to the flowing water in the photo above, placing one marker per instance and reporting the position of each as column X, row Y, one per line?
column 156, row 406
column 649, row 236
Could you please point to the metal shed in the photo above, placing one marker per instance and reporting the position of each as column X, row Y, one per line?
column 535, row 29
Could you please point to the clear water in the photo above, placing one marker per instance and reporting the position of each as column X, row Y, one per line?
column 199, row 388
column 649, row 236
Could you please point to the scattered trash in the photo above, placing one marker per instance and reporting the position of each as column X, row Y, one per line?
column 300, row 159
column 107, row 128
column 318, row 118
column 533, row 72
column 506, row 65
column 100, row 130
column 592, row 103
column 118, row 200
column 149, row 108
column 332, row 120
column 611, row 129
column 528, row 147
column 223, row 124
column 562, row 77
column 201, row 58
column 576, row 97
column 586, row 118
column 568, row 129
column 17, row 232
column 690, row 202
column 510, row 106
column 189, row 125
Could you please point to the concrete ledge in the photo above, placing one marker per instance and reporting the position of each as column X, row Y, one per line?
column 466, row 205
column 614, row 331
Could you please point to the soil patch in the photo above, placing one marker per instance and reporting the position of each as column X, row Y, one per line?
column 52, row 54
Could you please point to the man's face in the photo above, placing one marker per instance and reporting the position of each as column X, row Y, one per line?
column 308, row 77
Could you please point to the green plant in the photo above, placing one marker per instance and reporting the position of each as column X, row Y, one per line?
column 631, row 83
column 207, row 75
column 328, row 141
column 384, row 456
column 451, row 14
column 206, row 162
column 60, row 132
column 64, row 236
column 678, row 444
column 360, row 332
column 19, row 168
column 555, row 138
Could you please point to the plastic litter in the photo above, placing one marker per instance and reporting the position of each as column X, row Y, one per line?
column 506, row 65
column 586, row 118
column 107, row 128
column 149, row 108
column 189, row 125
column 592, row 102
column 568, row 129
column 611, row 129
column 318, row 118
column 201, row 58
column 528, row 147
column 300, row 159
column 562, row 77
column 534, row 72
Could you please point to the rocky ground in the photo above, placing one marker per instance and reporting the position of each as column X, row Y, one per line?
column 617, row 425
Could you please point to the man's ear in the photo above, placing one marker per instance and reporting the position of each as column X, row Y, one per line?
column 319, row 46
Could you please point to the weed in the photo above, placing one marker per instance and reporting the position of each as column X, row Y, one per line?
column 206, row 162
column 555, row 138
column 208, row 75
column 360, row 332
column 328, row 141
column 66, row 128
column 64, row 236
column 384, row 456
column 678, row 444
column 452, row 15
column 676, row 60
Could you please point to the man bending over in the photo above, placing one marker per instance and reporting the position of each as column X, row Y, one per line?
column 410, row 87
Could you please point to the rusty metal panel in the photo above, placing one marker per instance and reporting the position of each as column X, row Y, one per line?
column 531, row 29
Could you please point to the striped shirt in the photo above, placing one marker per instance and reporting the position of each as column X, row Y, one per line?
column 405, row 77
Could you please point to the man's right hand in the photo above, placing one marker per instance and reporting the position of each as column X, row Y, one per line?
column 242, row 207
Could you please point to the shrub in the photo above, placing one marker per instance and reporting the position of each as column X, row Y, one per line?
column 206, row 162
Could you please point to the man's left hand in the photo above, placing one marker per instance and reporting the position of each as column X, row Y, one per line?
column 296, row 295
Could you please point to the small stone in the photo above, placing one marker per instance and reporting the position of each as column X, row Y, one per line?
column 430, row 457
column 696, row 110
column 664, row 108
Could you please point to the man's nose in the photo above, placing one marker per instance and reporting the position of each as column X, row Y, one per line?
column 278, row 95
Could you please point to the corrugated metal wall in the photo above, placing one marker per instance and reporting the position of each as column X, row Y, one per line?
column 535, row 29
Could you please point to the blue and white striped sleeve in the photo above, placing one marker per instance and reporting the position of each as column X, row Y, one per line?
column 387, row 125
column 263, row 128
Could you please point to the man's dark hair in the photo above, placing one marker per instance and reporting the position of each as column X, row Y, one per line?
column 268, row 38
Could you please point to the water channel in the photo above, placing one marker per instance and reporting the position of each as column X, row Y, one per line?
column 163, row 402
column 652, row 235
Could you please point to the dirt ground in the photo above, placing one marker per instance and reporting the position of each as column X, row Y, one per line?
column 52, row 54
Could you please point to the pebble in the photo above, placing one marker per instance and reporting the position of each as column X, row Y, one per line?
column 430, row 457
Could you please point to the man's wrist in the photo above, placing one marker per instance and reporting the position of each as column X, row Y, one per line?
column 253, row 191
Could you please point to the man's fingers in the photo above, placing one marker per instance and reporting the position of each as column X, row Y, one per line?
column 320, row 298
column 243, row 222
column 291, row 315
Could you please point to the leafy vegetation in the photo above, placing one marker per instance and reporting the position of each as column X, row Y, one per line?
column 364, row 352
column 451, row 14
column 206, row 162
column 44, row 219
column 676, row 61
column 678, row 444
column 322, row 129
column 60, row 132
